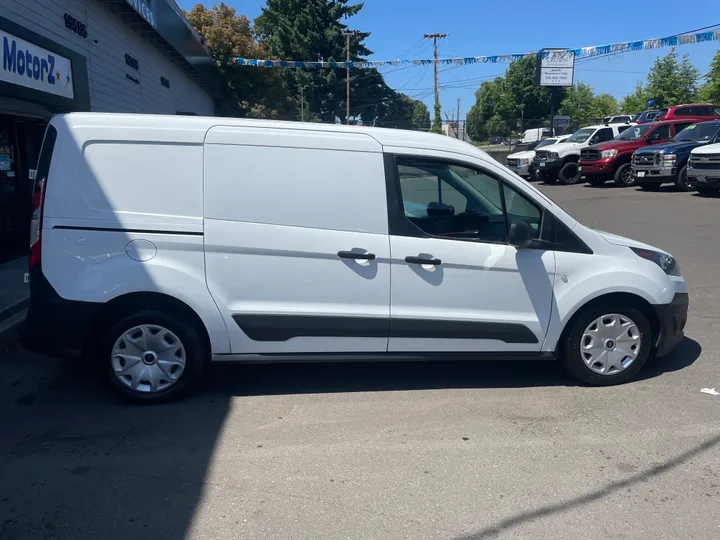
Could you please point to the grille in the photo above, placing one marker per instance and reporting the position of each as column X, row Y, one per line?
column 513, row 162
column 708, row 162
column 645, row 159
column 588, row 154
column 542, row 154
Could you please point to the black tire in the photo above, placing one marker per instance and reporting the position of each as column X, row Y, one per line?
column 649, row 186
column 548, row 177
column 707, row 191
column 196, row 353
column 570, row 346
column 683, row 183
column 596, row 181
column 569, row 174
column 624, row 176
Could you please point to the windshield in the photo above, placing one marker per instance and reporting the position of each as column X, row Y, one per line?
column 634, row 133
column 698, row 132
column 546, row 142
column 581, row 135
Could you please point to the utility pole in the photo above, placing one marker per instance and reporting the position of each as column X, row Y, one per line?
column 302, row 103
column 437, row 120
column 347, row 34
column 457, row 124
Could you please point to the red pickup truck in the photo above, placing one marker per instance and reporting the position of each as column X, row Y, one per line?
column 611, row 159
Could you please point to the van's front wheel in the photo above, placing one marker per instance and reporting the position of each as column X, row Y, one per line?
column 607, row 344
column 151, row 357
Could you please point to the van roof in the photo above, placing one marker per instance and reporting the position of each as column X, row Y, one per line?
column 192, row 129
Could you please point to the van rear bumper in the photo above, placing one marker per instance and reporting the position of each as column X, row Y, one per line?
column 672, row 318
column 53, row 324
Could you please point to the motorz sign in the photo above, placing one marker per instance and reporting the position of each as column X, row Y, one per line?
column 28, row 65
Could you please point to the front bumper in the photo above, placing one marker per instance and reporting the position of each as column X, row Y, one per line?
column 547, row 164
column 597, row 168
column 672, row 318
column 654, row 173
column 708, row 177
column 523, row 170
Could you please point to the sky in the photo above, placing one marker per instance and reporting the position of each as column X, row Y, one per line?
column 490, row 27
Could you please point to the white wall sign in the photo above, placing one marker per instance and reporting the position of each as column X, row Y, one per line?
column 557, row 68
column 28, row 65
column 146, row 8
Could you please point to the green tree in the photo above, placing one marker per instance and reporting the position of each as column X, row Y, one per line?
column 501, row 102
column 260, row 93
column 313, row 30
column 671, row 81
column 635, row 102
column 710, row 90
column 421, row 116
column 584, row 107
column 437, row 120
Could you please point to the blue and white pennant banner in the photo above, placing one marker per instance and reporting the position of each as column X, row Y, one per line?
column 583, row 52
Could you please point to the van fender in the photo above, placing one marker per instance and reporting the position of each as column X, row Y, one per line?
column 570, row 297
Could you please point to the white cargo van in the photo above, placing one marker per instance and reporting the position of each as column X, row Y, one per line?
column 162, row 242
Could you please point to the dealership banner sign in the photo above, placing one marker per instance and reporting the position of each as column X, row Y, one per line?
column 560, row 77
column 28, row 65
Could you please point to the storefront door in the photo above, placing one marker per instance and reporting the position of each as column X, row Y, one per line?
column 20, row 141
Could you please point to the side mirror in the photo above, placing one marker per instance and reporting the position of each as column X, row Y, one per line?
column 520, row 235
column 594, row 140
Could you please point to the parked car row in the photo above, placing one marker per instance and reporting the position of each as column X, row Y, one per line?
column 646, row 154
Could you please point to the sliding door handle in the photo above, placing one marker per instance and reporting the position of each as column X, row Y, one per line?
column 354, row 255
column 418, row 260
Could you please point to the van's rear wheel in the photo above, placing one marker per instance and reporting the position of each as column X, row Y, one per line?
column 607, row 344
column 151, row 356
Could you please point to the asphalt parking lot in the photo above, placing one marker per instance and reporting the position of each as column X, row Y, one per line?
column 458, row 450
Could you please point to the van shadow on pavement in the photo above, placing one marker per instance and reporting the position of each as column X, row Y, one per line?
column 77, row 462
column 269, row 379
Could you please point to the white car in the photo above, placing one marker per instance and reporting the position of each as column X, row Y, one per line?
column 521, row 162
column 559, row 161
column 161, row 243
column 704, row 168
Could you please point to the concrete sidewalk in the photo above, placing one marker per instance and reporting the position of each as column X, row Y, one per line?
column 14, row 293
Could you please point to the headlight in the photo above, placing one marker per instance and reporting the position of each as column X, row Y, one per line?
column 525, row 161
column 554, row 155
column 668, row 264
column 609, row 153
column 670, row 158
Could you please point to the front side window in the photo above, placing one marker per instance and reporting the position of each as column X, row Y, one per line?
column 581, row 135
column 519, row 208
column 662, row 133
column 461, row 203
column 685, row 111
column 603, row 135
column 679, row 126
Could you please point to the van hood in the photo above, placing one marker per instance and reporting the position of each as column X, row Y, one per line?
column 627, row 242
column 526, row 154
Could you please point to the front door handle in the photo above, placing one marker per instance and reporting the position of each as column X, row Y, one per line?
column 418, row 260
column 354, row 255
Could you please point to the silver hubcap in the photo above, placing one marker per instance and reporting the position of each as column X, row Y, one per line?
column 148, row 358
column 610, row 344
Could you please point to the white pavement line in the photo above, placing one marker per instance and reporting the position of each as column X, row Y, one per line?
column 710, row 391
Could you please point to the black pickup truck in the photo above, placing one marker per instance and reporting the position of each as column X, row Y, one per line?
column 667, row 163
